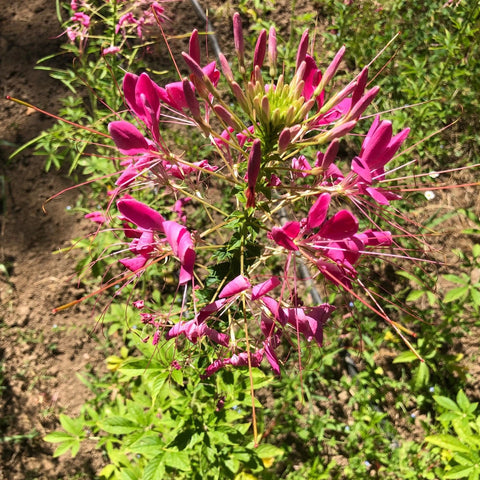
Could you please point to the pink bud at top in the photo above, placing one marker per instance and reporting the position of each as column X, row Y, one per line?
column 194, row 46
column 260, row 49
column 332, row 68
column 361, row 84
column 272, row 49
column 302, row 49
column 253, row 170
column 191, row 99
column 227, row 71
column 193, row 65
column 238, row 36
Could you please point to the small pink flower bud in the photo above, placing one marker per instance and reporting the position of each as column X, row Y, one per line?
column 194, row 46
column 238, row 37
column 341, row 130
column 302, row 49
column 332, row 68
column 260, row 49
column 284, row 139
column 272, row 50
column 227, row 71
column 361, row 84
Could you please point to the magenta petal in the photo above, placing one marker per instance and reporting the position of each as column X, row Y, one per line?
column 182, row 245
column 362, row 169
column 373, row 238
column 318, row 211
column 140, row 214
column 342, row 225
column 176, row 95
column 279, row 236
column 237, row 285
column 128, row 138
column 134, row 264
column 263, row 288
column 129, row 82
column 209, row 309
column 272, row 358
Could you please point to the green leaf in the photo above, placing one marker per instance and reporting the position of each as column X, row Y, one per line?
column 265, row 450
column 155, row 469
column 446, row 403
column 459, row 471
column 118, row 425
column 456, row 294
column 72, row 425
column 448, row 442
column 462, row 401
column 415, row 295
column 178, row 460
column 57, row 437
column 72, row 444
column 405, row 357
column 475, row 294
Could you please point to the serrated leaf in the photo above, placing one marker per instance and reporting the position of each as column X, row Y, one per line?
column 446, row 403
column 448, row 442
column 154, row 469
column 178, row 460
column 117, row 425
column 455, row 294
column 73, row 445
column 72, row 425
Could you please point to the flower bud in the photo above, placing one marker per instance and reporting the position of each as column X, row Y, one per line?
column 260, row 49
column 302, row 49
column 194, row 46
column 238, row 37
column 272, row 50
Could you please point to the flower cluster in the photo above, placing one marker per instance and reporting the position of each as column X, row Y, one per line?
column 132, row 18
column 287, row 199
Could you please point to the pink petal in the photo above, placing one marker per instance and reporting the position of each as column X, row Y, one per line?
column 128, row 139
column 280, row 237
column 140, row 214
column 263, row 288
column 134, row 264
column 237, row 285
column 318, row 211
column 342, row 225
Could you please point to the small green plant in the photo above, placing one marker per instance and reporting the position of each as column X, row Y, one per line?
column 460, row 437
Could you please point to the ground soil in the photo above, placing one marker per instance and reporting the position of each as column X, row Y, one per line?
column 41, row 352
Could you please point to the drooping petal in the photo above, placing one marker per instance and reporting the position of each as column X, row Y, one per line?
column 140, row 214
column 235, row 286
column 263, row 288
column 128, row 138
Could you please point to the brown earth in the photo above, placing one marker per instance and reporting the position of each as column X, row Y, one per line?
column 42, row 353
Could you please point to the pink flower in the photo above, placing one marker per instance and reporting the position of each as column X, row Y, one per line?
column 143, row 98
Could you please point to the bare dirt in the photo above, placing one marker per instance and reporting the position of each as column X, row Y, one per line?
column 41, row 353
